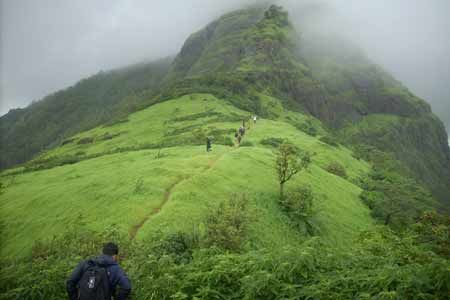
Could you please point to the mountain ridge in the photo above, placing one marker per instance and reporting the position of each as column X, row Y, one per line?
column 257, row 50
column 195, row 222
column 336, row 86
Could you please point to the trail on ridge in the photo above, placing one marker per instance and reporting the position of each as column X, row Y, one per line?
column 168, row 193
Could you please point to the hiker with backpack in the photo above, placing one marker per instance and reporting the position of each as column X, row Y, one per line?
column 97, row 279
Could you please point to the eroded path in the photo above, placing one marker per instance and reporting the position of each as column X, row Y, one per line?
column 168, row 193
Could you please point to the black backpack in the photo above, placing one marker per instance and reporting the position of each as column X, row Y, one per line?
column 94, row 283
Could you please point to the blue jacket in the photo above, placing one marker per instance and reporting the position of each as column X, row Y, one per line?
column 116, row 276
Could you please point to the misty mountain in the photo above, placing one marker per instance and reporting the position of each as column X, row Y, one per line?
column 320, row 170
column 237, row 57
column 325, row 76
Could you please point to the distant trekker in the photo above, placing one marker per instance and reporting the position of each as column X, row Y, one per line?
column 208, row 144
column 97, row 278
column 254, row 119
column 241, row 131
column 239, row 139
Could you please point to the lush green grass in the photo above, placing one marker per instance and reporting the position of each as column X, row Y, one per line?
column 149, row 190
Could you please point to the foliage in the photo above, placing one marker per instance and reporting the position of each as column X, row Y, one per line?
column 307, row 127
column 329, row 140
column 380, row 265
column 237, row 57
column 433, row 232
column 101, row 178
column 298, row 204
column 272, row 141
column 86, row 140
column 139, row 186
column 395, row 200
column 337, row 169
column 177, row 245
column 288, row 163
column 43, row 276
column 415, row 146
column 105, row 98
column 227, row 225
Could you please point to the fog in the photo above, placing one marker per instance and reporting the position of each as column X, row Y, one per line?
column 47, row 45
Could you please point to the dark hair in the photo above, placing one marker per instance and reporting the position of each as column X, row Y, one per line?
column 110, row 249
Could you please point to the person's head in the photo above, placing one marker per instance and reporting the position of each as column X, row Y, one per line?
column 111, row 249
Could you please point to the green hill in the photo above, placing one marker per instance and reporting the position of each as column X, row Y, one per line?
column 257, row 50
column 237, row 57
column 140, row 187
column 357, row 223
column 96, row 100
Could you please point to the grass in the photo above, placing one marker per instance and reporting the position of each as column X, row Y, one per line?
column 141, row 192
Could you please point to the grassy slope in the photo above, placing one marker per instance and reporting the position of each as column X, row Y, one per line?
column 142, row 194
column 89, row 103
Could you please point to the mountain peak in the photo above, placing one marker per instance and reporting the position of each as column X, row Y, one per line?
column 239, row 57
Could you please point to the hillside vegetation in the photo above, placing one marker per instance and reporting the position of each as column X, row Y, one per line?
column 356, row 220
column 128, row 178
column 237, row 57
column 99, row 99
column 160, row 203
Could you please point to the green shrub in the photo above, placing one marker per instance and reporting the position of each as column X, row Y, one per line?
column 226, row 226
column 329, row 140
column 272, row 141
column 337, row 169
column 139, row 186
column 246, row 144
column 395, row 200
column 298, row 204
column 178, row 245
column 377, row 265
column 86, row 140
column 68, row 141
column 307, row 127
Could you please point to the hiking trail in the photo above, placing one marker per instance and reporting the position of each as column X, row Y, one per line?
column 168, row 193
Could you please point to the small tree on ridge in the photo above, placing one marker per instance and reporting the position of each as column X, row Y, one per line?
column 289, row 163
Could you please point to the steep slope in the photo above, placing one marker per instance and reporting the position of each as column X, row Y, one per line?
column 146, row 182
column 372, row 108
column 96, row 100
column 253, row 51
column 243, row 55
column 142, row 190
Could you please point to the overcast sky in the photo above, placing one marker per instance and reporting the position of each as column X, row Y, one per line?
column 47, row 45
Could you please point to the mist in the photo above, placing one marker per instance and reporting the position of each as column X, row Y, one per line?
column 48, row 45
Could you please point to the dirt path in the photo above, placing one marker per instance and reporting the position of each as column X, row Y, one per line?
column 167, row 194
column 134, row 230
